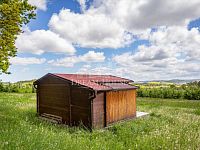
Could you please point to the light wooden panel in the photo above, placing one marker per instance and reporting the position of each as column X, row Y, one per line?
column 120, row 105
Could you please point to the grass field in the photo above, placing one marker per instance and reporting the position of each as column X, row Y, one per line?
column 172, row 124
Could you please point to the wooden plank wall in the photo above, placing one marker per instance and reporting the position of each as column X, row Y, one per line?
column 120, row 105
column 98, row 118
column 54, row 100
column 80, row 106
column 59, row 98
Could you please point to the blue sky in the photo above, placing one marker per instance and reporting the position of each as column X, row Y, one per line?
column 108, row 37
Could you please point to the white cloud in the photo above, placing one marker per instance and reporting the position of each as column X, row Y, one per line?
column 100, row 70
column 40, row 4
column 108, row 23
column 176, row 42
column 174, row 52
column 82, row 4
column 143, row 14
column 41, row 41
column 91, row 56
column 89, row 29
column 105, row 69
column 143, row 71
column 64, row 62
column 26, row 60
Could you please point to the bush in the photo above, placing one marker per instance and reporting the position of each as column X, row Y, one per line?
column 1, row 87
column 192, row 94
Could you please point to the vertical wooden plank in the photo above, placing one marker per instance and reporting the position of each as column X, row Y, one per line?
column 120, row 105
column 105, row 110
column 92, row 113
column 70, row 105
column 98, row 110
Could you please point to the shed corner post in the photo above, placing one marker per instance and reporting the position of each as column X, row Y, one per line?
column 36, row 86
column 91, row 112
column 105, row 110
column 70, row 109
column 91, row 108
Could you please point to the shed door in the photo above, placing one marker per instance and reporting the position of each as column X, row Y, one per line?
column 120, row 105
column 54, row 100
column 80, row 106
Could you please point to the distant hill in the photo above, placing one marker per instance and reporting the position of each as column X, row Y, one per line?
column 175, row 81
column 27, row 81
column 21, row 82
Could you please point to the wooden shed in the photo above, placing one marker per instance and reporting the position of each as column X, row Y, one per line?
column 96, row 101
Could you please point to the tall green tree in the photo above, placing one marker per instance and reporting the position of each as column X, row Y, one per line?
column 13, row 15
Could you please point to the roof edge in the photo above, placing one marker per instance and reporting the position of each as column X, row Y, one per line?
column 127, row 81
column 52, row 74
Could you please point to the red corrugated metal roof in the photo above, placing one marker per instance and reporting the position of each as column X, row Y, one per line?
column 98, row 82
column 118, row 86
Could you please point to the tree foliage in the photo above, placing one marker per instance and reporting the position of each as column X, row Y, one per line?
column 190, row 91
column 18, row 87
column 13, row 15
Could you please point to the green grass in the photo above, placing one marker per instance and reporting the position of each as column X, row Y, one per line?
column 172, row 124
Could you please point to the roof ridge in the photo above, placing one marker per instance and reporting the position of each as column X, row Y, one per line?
column 122, row 78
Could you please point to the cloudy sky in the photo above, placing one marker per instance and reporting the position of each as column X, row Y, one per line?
column 137, row 39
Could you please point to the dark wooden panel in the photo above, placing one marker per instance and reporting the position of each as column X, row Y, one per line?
column 80, row 106
column 80, row 96
column 98, row 111
column 80, row 115
column 54, row 95
column 54, row 100
column 120, row 105
column 64, row 113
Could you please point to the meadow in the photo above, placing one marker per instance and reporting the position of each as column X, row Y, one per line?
column 171, row 124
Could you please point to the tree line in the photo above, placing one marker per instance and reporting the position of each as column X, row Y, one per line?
column 18, row 87
column 190, row 91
